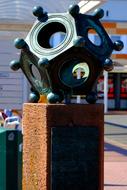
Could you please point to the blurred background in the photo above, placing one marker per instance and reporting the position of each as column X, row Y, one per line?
column 16, row 19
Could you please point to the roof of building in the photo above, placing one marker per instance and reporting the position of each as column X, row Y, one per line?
column 21, row 10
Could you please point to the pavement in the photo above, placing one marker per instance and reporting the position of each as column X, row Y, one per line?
column 115, row 165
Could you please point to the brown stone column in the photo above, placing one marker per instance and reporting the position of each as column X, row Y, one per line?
column 43, row 126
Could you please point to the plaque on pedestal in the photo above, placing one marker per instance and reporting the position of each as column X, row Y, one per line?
column 63, row 147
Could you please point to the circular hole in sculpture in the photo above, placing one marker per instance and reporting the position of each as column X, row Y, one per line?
column 56, row 39
column 35, row 72
column 51, row 35
column 81, row 71
column 94, row 37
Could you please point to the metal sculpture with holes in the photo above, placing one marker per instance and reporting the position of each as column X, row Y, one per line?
column 58, row 61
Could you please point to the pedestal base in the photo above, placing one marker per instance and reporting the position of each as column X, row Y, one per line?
column 63, row 147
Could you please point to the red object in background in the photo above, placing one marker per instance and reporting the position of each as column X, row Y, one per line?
column 123, row 90
column 111, row 94
column 110, row 87
column 100, row 87
column 111, row 90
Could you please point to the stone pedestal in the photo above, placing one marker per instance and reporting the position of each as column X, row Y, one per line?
column 63, row 147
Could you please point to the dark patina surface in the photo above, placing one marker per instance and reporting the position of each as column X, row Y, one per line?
column 57, row 65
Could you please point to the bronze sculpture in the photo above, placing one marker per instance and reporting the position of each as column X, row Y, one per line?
column 57, row 66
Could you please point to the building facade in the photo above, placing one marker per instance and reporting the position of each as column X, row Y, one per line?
column 115, row 23
column 14, row 89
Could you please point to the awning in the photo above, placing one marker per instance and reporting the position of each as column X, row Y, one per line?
column 21, row 10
